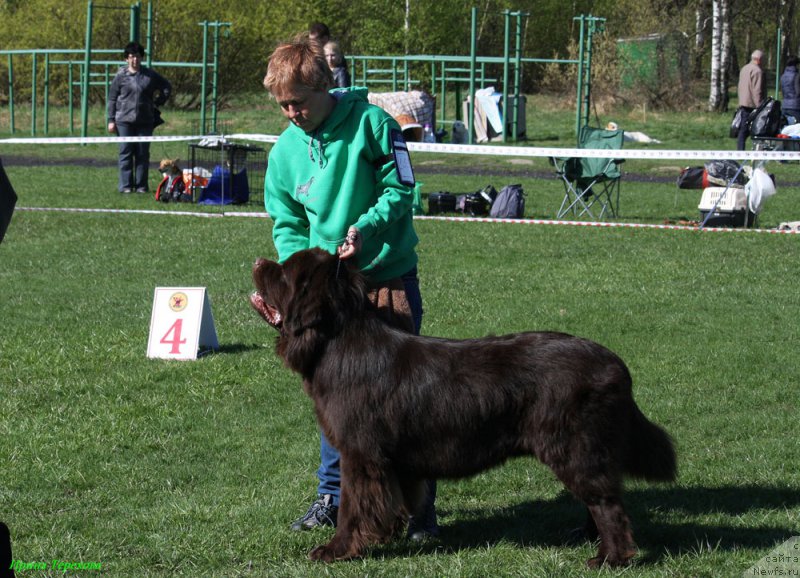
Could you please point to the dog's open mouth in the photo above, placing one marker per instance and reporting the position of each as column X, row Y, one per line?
column 270, row 314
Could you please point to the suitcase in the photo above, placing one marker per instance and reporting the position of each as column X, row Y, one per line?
column 441, row 203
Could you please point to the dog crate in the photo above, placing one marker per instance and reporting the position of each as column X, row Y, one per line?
column 225, row 173
column 728, row 207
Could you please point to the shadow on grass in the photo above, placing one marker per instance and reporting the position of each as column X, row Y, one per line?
column 553, row 523
column 235, row 348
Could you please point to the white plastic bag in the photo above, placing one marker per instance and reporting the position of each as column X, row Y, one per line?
column 758, row 189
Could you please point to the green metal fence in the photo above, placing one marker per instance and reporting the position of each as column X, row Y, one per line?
column 89, row 67
column 445, row 76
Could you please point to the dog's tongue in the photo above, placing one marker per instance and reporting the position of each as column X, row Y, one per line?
column 268, row 312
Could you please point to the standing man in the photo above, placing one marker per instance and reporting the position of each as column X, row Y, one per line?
column 336, row 180
column 135, row 92
column 790, row 87
column 752, row 91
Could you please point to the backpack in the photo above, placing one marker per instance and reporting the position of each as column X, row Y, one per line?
column 172, row 189
column 693, row 178
column 509, row 204
column 721, row 173
column 766, row 119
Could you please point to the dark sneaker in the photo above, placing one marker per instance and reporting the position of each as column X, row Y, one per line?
column 321, row 513
column 424, row 526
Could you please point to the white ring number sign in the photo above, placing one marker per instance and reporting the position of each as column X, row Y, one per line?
column 181, row 324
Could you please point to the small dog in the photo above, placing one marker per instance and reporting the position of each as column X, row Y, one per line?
column 172, row 187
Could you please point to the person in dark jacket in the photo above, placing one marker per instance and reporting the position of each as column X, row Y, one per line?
column 790, row 88
column 335, row 60
column 135, row 92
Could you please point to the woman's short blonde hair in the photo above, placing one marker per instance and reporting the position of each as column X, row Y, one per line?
column 299, row 63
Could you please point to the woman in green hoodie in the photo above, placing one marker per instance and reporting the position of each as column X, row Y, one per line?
column 339, row 178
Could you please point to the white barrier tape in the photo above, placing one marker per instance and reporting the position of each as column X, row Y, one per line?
column 119, row 211
column 96, row 139
column 270, row 138
column 595, row 224
column 486, row 150
column 599, row 224
column 550, row 152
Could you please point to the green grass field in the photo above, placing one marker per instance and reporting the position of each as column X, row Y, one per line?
column 157, row 468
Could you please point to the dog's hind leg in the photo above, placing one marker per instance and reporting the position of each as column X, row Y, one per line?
column 614, row 528
column 371, row 511
column 602, row 495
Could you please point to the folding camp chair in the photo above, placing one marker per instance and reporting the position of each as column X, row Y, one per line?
column 591, row 184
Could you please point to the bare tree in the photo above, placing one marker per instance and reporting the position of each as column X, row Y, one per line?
column 702, row 24
column 721, row 49
column 715, row 89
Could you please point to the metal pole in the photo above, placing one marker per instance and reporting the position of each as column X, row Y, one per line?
column 518, row 74
column 70, row 104
column 11, row 92
column 593, row 25
column 33, row 96
column 46, row 93
column 149, row 29
column 588, row 70
column 216, row 78
column 507, row 25
column 107, row 82
column 778, row 65
column 133, row 35
column 217, row 26
column 579, row 95
column 472, row 59
column 204, row 81
column 87, row 61
column 443, row 102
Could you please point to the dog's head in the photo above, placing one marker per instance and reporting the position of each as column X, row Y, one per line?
column 169, row 166
column 308, row 299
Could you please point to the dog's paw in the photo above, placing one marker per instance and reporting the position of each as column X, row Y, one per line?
column 610, row 561
column 322, row 554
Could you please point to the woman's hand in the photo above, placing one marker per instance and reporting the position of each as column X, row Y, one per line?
column 351, row 245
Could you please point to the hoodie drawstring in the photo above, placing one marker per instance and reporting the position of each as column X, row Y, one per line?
column 314, row 135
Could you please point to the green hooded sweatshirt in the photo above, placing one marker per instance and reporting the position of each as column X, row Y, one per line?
column 342, row 175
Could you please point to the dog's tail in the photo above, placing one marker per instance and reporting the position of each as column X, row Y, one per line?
column 652, row 453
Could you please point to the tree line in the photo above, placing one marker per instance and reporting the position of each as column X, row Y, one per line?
column 713, row 38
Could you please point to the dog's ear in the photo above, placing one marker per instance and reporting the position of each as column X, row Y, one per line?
column 308, row 318
column 325, row 293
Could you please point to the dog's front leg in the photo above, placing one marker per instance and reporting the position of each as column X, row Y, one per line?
column 370, row 511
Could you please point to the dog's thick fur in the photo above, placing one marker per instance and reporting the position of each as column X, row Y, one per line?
column 402, row 408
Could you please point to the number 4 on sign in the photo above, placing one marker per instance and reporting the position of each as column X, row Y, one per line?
column 181, row 323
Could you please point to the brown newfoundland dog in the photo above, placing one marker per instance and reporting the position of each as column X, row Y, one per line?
column 402, row 409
